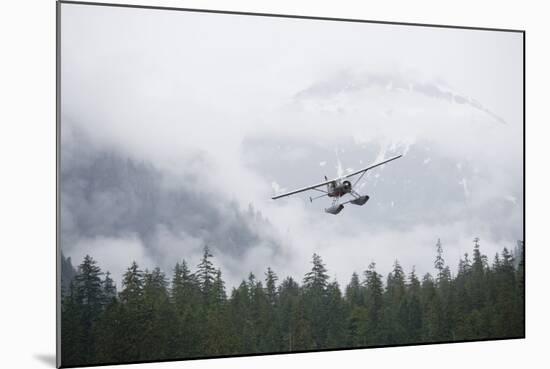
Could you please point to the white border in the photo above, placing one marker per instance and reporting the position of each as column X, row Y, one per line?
column 27, row 162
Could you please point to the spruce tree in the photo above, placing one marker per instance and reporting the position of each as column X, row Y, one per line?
column 109, row 289
column 72, row 334
column 217, row 322
column 477, row 281
column 315, row 301
column 295, row 328
column 270, row 285
column 374, row 303
column 463, row 306
column 414, row 318
column 89, row 300
column 132, row 313
column 158, row 313
column 432, row 310
column 89, row 289
column 317, row 278
column 439, row 261
column 445, row 295
column 270, row 319
column 206, row 274
column 187, row 300
column 336, row 317
column 241, row 328
column 356, row 312
column 396, row 307
column 132, row 285
column 354, row 293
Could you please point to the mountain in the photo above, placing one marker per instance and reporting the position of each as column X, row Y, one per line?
column 462, row 162
column 68, row 272
column 107, row 195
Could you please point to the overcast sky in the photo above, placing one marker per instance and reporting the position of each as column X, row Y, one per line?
column 233, row 108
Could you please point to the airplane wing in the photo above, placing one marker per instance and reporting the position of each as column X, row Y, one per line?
column 332, row 180
column 372, row 166
column 302, row 189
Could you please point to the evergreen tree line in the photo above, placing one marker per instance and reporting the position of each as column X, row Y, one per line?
column 192, row 316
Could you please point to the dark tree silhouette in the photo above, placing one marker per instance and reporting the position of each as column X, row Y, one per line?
column 192, row 316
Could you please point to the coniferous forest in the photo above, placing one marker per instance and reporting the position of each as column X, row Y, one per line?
column 190, row 314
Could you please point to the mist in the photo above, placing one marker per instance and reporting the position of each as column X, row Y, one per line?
column 177, row 128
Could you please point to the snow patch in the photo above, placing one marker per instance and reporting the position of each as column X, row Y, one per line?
column 276, row 187
column 339, row 169
column 512, row 199
column 464, row 184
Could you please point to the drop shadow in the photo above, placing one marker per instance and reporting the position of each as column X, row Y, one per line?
column 48, row 359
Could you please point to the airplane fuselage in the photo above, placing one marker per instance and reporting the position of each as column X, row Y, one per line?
column 339, row 189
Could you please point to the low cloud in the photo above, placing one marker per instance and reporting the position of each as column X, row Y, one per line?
column 113, row 254
column 169, row 143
